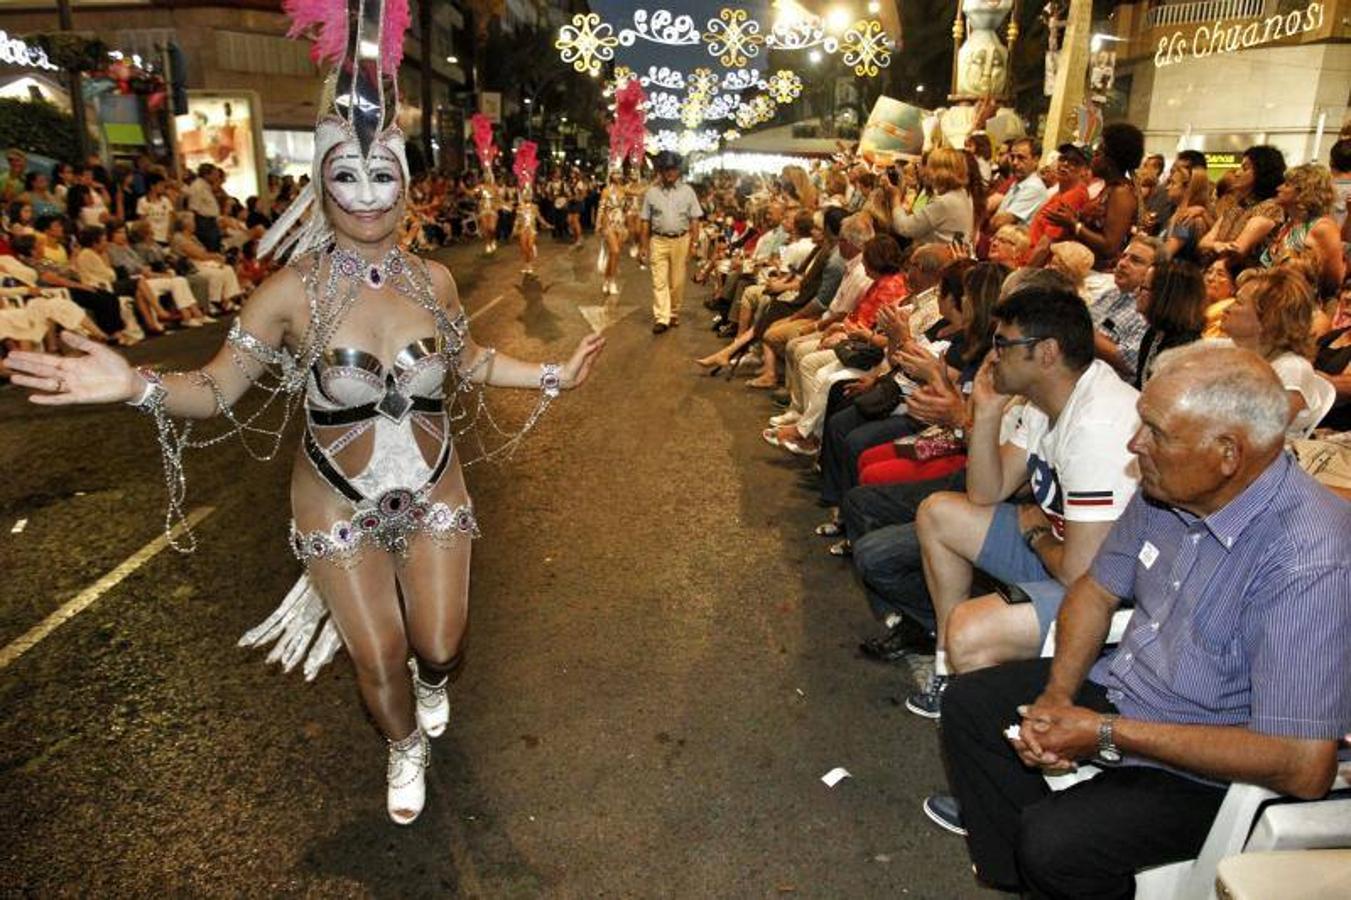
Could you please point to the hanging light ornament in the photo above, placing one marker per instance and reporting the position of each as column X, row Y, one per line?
column 866, row 47
column 784, row 86
column 733, row 37
column 587, row 43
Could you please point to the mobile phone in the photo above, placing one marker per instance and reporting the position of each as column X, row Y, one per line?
column 1012, row 594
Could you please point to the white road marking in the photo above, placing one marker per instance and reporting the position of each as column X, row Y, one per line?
column 87, row 597
column 19, row 526
column 489, row 305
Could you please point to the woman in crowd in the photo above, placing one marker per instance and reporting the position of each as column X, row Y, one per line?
column 21, row 219
column 1187, row 191
column 53, row 241
column 1219, row 279
column 223, row 290
column 85, row 207
column 1009, row 246
column 1332, row 359
column 1248, row 213
column 948, row 216
column 610, row 224
column 1073, row 260
column 37, row 194
column 126, row 259
column 1305, row 197
column 852, row 431
column 797, row 187
column 1174, row 306
column 95, row 269
column 1104, row 224
column 1272, row 315
column 103, row 306
column 799, row 428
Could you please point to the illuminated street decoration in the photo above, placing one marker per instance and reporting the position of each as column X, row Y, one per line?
column 15, row 52
column 733, row 37
column 587, row 43
column 784, row 86
column 867, row 48
column 700, row 61
column 663, row 77
column 660, row 26
column 1228, row 37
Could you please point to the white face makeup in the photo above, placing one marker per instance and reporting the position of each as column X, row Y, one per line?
column 364, row 190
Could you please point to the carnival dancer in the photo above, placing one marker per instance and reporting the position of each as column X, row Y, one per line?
column 363, row 337
column 487, row 190
column 527, row 212
column 671, row 215
column 634, row 189
column 610, row 224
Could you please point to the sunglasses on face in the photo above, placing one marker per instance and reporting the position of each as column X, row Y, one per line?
column 1002, row 343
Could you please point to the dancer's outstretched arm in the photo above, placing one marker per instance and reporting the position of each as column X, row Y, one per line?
column 500, row 370
column 101, row 375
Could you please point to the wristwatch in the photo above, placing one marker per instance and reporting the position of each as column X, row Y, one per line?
column 1108, row 751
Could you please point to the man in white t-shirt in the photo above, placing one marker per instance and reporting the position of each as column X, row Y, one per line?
column 1068, row 449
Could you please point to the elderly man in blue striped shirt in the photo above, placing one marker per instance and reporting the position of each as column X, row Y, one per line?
column 1233, row 667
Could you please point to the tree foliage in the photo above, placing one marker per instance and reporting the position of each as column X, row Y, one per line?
column 38, row 127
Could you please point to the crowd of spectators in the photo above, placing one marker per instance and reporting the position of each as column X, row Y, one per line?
column 124, row 254
column 1038, row 389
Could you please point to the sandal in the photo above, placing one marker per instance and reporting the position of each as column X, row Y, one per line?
column 771, row 436
column 829, row 529
column 841, row 548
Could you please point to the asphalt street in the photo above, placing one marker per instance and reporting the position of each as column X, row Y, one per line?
column 662, row 660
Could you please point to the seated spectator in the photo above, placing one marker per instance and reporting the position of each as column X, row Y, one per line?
column 53, row 240
column 1073, row 260
column 223, row 285
column 1009, row 246
column 1332, row 360
column 962, row 330
column 820, row 311
column 130, row 263
column 1117, row 325
column 1305, row 198
column 1272, row 315
column 879, row 520
column 21, row 219
column 1068, row 447
column 1232, row 668
column 882, row 261
column 1248, row 214
column 37, row 194
column 103, row 307
column 31, row 319
column 1172, row 304
column 158, row 209
column 1219, row 281
column 1071, row 196
column 95, row 269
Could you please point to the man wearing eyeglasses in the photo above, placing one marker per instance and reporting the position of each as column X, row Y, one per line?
column 1068, row 451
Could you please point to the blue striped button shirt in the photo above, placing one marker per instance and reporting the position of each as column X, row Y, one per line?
column 1242, row 617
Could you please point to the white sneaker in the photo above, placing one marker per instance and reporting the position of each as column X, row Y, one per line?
column 433, row 704
column 406, row 777
column 789, row 418
column 193, row 323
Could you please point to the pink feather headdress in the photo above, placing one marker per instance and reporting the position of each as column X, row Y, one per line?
column 629, row 130
column 483, row 140
column 325, row 22
column 525, row 163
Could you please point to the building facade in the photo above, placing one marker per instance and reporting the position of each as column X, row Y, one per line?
column 1221, row 75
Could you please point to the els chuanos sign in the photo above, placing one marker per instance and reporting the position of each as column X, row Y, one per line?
column 1208, row 40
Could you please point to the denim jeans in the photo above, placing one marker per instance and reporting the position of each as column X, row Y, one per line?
column 880, row 523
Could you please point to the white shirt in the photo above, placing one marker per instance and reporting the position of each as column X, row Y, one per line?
column 202, row 199
column 159, row 213
column 1024, row 199
column 1079, row 469
column 796, row 253
column 1298, row 376
column 852, row 288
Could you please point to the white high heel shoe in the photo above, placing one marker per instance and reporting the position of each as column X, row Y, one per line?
column 406, row 777
column 433, row 704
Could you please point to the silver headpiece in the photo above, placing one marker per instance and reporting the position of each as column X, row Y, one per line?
column 363, row 40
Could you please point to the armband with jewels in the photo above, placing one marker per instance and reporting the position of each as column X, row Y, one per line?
column 152, row 397
column 551, row 379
